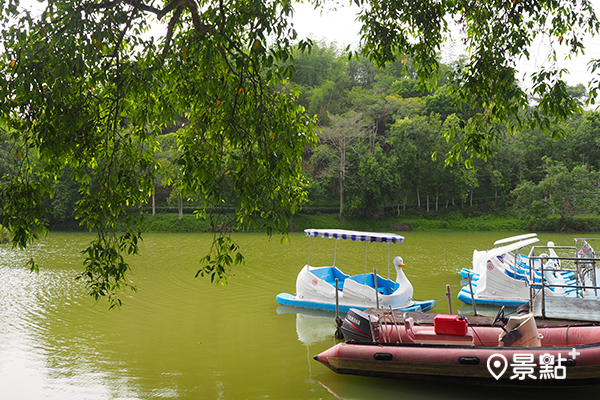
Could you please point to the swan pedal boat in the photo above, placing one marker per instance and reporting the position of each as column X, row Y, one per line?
column 516, row 354
column 316, row 287
column 499, row 277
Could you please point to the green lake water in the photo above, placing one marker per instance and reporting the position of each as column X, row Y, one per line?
column 184, row 338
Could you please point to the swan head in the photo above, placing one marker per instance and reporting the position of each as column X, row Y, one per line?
column 398, row 262
column 404, row 292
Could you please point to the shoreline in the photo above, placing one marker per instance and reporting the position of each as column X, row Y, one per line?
column 429, row 222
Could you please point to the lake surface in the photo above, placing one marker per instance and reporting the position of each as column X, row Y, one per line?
column 184, row 338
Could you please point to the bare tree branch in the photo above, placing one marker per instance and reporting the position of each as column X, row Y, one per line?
column 170, row 29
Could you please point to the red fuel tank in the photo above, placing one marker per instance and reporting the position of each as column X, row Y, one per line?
column 444, row 324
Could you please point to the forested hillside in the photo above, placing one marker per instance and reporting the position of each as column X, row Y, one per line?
column 383, row 151
column 385, row 140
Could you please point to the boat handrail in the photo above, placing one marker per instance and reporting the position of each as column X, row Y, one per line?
column 534, row 248
column 544, row 284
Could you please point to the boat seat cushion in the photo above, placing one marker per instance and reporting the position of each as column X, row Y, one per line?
column 430, row 337
column 328, row 274
column 384, row 286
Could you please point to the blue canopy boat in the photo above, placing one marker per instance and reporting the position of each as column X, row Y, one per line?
column 316, row 286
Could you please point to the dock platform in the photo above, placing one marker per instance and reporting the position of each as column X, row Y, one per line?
column 568, row 308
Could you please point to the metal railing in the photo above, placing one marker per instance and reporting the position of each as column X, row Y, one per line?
column 580, row 285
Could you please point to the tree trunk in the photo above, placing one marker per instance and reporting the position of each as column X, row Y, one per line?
column 342, row 173
column 418, row 198
column 437, row 198
column 427, row 202
column 372, row 138
column 405, row 201
column 153, row 203
column 180, row 206
column 341, row 195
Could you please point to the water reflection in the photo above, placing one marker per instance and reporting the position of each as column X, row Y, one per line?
column 33, row 361
column 183, row 338
column 312, row 326
column 346, row 387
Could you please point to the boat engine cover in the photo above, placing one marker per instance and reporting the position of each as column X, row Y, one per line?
column 360, row 327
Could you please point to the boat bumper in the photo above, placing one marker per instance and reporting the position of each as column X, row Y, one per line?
column 286, row 299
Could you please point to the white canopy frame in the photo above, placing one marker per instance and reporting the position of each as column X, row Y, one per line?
column 367, row 237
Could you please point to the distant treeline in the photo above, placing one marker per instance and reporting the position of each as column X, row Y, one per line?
column 384, row 141
column 382, row 153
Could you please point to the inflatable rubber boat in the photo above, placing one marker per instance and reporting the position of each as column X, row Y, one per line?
column 516, row 353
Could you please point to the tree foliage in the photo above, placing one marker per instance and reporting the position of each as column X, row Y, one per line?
column 87, row 86
column 562, row 191
column 496, row 34
column 409, row 130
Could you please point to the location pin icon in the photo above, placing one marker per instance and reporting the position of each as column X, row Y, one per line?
column 497, row 365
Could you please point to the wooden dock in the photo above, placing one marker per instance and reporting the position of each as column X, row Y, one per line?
column 568, row 308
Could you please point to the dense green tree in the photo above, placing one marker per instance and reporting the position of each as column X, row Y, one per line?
column 313, row 68
column 86, row 86
column 9, row 156
column 371, row 186
column 406, row 107
column 413, row 143
column 407, row 87
column 442, row 102
column 342, row 137
column 496, row 35
column 582, row 142
column 65, row 197
column 562, row 191
column 361, row 72
column 322, row 79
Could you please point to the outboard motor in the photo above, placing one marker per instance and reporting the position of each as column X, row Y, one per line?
column 360, row 327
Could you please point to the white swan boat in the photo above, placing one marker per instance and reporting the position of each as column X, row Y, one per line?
column 316, row 286
column 502, row 277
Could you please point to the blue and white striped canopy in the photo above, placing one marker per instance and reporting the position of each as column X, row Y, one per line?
column 355, row 235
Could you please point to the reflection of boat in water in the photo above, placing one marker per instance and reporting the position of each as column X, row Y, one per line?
column 312, row 326
column 316, row 287
column 515, row 353
column 314, row 329
column 502, row 276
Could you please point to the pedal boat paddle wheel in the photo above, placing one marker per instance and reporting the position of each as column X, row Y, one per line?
column 320, row 288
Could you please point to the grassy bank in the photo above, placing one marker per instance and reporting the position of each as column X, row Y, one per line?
column 481, row 223
column 170, row 222
column 455, row 222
